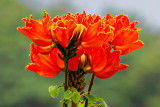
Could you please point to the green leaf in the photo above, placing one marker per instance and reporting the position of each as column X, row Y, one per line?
column 68, row 94
column 90, row 104
column 68, row 101
column 74, row 90
column 76, row 97
column 102, row 102
column 92, row 98
column 61, row 88
column 81, row 104
column 62, row 101
column 83, row 97
column 54, row 91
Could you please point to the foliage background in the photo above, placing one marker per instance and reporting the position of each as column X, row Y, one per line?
column 137, row 86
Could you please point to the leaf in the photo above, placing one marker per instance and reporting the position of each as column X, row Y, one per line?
column 76, row 97
column 61, row 88
column 92, row 98
column 83, row 97
column 54, row 91
column 62, row 101
column 102, row 102
column 68, row 101
column 81, row 104
column 90, row 104
column 74, row 90
column 68, row 94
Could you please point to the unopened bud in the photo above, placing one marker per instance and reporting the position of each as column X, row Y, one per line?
column 78, row 32
column 53, row 45
column 83, row 61
column 53, row 35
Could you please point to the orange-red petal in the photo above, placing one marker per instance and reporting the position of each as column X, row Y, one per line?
column 104, row 63
column 43, row 65
column 61, row 35
column 74, row 62
column 125, row 49
column 110, row 73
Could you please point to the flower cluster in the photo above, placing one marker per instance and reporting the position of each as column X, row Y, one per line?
column 90, row 37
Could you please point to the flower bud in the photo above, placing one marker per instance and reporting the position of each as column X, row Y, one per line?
column 85, row 63
column 78, row 33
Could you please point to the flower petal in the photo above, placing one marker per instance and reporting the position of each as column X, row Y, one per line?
column 61, row 35
column 129, row 47
column 110, row 73
column 43, row 65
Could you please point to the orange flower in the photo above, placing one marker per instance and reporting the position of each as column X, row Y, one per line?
column 45, row 65
column 37, row 31
column 102, row 62
column 50, row 65
column 85, row 30
column 125, row 34
column 91, row 32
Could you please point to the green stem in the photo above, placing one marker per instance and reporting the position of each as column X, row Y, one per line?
column 89, row 89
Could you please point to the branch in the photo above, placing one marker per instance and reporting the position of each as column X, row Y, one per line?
column 89, row 89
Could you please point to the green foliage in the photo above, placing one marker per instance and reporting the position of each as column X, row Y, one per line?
column 76, row 97
column 66, row 101
column 68, row 94
column 91, row 98
column 54, row 91
column 61, row 88
column 102, row 102
column 74, row 89
column 73, row 94
column 92, row 101
column 81, row 104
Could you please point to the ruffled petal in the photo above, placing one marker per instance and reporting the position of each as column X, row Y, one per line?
column 61, row 35
column 104, row 63
column 125, row 49
column 110, row 73
column 43, row 65
column 125, row 34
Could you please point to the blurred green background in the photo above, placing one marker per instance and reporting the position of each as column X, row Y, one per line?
column 137, row 86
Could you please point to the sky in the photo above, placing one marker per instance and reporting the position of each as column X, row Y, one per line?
column 148, row 11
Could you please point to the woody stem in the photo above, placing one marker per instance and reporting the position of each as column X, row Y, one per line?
column 89, row 89
column 66, row 76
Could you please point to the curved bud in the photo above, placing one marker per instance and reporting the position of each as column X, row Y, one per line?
column 83, row 61
column 53, row 35
column 87, row 68
column 78, row 32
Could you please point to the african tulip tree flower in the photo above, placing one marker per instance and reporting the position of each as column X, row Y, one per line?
column 50, row 65
column 77, row 45
column 125, row 34
column 101, row 62
column 85, row 30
